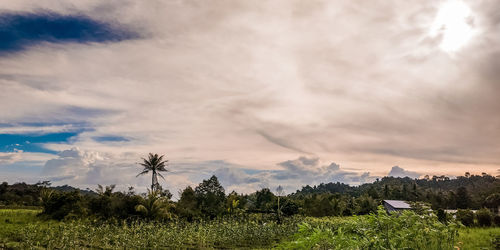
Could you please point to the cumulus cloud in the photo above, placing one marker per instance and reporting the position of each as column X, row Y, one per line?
column 311, row 171
column 71, row 162
column 293, row 175
column 86, row 169
column 397, row 171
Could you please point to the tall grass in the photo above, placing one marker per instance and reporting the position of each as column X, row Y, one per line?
column 407, row 230
column 22, row 229
column 479, row 238
column 224, row 233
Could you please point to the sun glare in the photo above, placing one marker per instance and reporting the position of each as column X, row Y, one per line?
column 454, row 23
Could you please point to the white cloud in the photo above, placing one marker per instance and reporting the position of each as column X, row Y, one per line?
column 36, row 129
column 295, row 174
column 10, row 157
column 86, row 169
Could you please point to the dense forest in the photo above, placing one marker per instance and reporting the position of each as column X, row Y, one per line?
column 209, row 200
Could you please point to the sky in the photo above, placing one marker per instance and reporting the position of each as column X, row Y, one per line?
column 259, row 93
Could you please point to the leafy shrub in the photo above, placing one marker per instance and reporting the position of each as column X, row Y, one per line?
column 289, row 207
column 61, row 205
column 466, row 217
column 496, row 220
column 484, row 217
column 154, row 206
column 441, row 214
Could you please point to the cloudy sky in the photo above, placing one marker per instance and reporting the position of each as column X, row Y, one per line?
column 260, row 93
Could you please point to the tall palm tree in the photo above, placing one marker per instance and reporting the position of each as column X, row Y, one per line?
column 154, row 164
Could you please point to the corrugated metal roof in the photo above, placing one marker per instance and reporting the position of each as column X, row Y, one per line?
column 398, row 204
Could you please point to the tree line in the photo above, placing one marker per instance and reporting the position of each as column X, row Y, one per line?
column 209, row 200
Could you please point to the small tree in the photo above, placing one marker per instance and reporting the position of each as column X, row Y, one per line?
column 264, row 200
column 496, row 220
column 105, row 191
column 235, row 203
column 484, row 217
column 493, row 202
column 187, row 206
column 154, row 206
column 463, row 199
column 211, row 197
column 279, row 192
column 441, row 214
column 466, row 217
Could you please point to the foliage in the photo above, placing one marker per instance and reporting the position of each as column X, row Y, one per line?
column 469, row 191
column 208, row 199
column 407, row 230
column 496, row 220
column 264, row 200
column 20, row 194
column 154, row 206
column 493, row 201
column 61, row 205
column 441, row 215
column 484, row 217
column 211, row 197
column 22, row 229
column 235, row 204
column 11, row 223
column 465, row 216
column 77, row 234
column 479, row 238
column 187, row 206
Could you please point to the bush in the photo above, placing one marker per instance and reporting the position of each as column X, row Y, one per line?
column 496, row 220
column 441, row 214
column 466, row 217
column 484, row 217
column 61, row 205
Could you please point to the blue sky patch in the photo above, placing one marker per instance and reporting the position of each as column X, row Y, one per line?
column 20, row 30
column 33, row 143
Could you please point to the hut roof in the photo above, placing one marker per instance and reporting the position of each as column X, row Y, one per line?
column 398, row 204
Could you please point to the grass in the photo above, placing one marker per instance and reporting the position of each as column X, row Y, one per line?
column 11, row 221
column 22, row 229
column 479, row 238
column 375, row 231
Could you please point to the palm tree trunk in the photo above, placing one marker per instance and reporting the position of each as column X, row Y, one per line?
column 153, row 181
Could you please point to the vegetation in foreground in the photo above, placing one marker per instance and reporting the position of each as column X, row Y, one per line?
column 205, row 217
column 407, row 230
column 479, row 238
column 21, row 229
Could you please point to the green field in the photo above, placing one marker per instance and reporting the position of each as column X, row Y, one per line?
column 21, row 229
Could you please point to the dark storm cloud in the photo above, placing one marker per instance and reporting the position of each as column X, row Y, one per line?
column 21, row 30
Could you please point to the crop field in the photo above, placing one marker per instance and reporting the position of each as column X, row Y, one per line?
column 21, row 229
